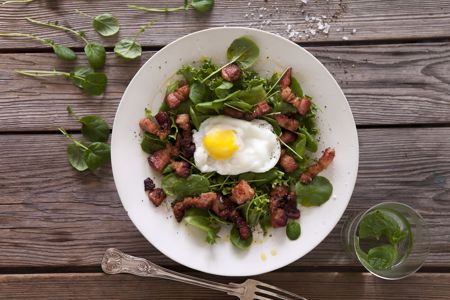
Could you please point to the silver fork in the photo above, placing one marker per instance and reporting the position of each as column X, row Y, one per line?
column 115, row 262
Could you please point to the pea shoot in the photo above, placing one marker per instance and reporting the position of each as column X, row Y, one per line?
column 61, row 51
column 85, row 78
column 96, row 53
column 198, row 5
column 105, row 24
column 131, row 48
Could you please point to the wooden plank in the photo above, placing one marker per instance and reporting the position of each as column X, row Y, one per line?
column 373, row 20
column 53, row 216
column 385, row 84
column 334, row 285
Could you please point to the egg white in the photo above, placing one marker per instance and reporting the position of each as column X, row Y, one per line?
column 258, row 147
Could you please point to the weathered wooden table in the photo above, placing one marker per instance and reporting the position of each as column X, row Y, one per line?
column 56, row 223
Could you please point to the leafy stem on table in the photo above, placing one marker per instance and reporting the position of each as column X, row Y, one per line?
column 16, row 1
column 104, row 24
column 95, row 52
column 198, row 5
column 61, row 51
column 131, row 48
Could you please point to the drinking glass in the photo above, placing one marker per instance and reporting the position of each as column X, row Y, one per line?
column 412, row 251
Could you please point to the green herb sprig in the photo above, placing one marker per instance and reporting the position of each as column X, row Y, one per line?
column 91, row 82
column 95, row 52
column 199, row 5
column 105, row 24
column 131, row 48
column 94, row 128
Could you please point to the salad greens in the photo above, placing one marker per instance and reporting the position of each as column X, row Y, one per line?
column 209, row 94
column 105, row 24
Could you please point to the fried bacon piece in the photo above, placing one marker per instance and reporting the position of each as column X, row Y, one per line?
column 182, row 120
column 324, row 161
column 287, row 162
column 149, row 185
column 204, row 201
column 174, row 99
column 261, row 109
column 285, row 81
column 287, row 122
column 226, row 209
column 181, row 168
column 288, row 137
column 282, row 205
column 242, row 192
column 231, row 72
column 161, row 158
column 234, row 113
column 157, row 196
column 160, row 128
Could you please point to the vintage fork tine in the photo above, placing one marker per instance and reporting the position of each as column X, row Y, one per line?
column 261, row 298
column 292, row 295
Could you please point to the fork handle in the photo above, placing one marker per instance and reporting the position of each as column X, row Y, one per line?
column 115, row 262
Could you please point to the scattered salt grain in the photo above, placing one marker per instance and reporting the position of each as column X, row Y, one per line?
column 354, row 31
column 345, row 38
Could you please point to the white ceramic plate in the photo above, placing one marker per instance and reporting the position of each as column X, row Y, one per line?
column 184, row 244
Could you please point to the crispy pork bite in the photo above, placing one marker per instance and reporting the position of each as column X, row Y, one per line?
column 287, row 122
column 242, row 192
column 234, row 113
column 204, row 201
column 151, row 126
column 226, row 209
column 324, row 161
column 181, row 168
column 174, row 99
column 157, row 196
column 282, row 205
column 288, row 137
column 290, row 207
column 161, row 158
column 241, row 225
column 163, row 120
column 149, row 185
column 287, row 162
column 182, row 120
column 261, row 109
column 285, row 81
column 231, row 72
column 301, row 104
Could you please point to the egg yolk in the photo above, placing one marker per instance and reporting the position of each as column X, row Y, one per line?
column 220, row 144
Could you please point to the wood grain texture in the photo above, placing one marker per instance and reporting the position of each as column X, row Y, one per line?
column 337, row 286
column 53, row 216
column 384, row 84
column 386, row 19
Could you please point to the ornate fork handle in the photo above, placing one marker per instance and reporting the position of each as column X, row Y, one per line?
column 115, row 262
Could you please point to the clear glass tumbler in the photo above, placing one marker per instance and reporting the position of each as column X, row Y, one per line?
column 391, row 240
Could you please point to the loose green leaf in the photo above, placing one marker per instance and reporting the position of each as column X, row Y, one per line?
column 184, row 187
column 97, row 155
column 63, row 52
column 311, row 142
column 75, row 155
column 215, row 105
column 223, row 89
column 129, row 49
column 317, row 192
column 240, row 105
column 194, row 117
column 253, row 95
column 202, row 220
column 243, row 50
column 236, row 240
column 92, row 83
column 202, row 5
column 198, row 92
column 96, row 55
column 106, row 24
column 94, row 128
column 293, row 230
column 296, row 88
column 382, row 257
column 151, row 143
column 299, row 145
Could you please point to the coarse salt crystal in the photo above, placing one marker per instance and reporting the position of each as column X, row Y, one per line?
column 327, row 28
column 354, row 31
column 345, row 38
column 305, row 1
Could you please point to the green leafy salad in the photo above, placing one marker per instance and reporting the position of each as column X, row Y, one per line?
column 235, row 149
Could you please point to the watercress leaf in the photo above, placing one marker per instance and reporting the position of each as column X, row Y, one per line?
column 172, row 86
column 94, row 128
column 317, row 192
column 281, row 106
column 97, row 155
column 253, row 95
column 261, row 179
column 63, row 52
column 106, row 24
column 293, row 230
column 173, row 130
column 223, row 89
column 194, row 118
column 200, row 219
column 78, row 74
column 184, row 187
column 236, row 240
column 311, row 142
column 198, row 92
column 75, row 154
column 96, row 55
column 129, row 49
column 148, row 113
column 300, row 145
column 382, row 257
column 243, row 50
column 94, row 84
column 151, row 143
column 241, row 105
column 296, row 88
column 202, row 5
column 215, row 105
